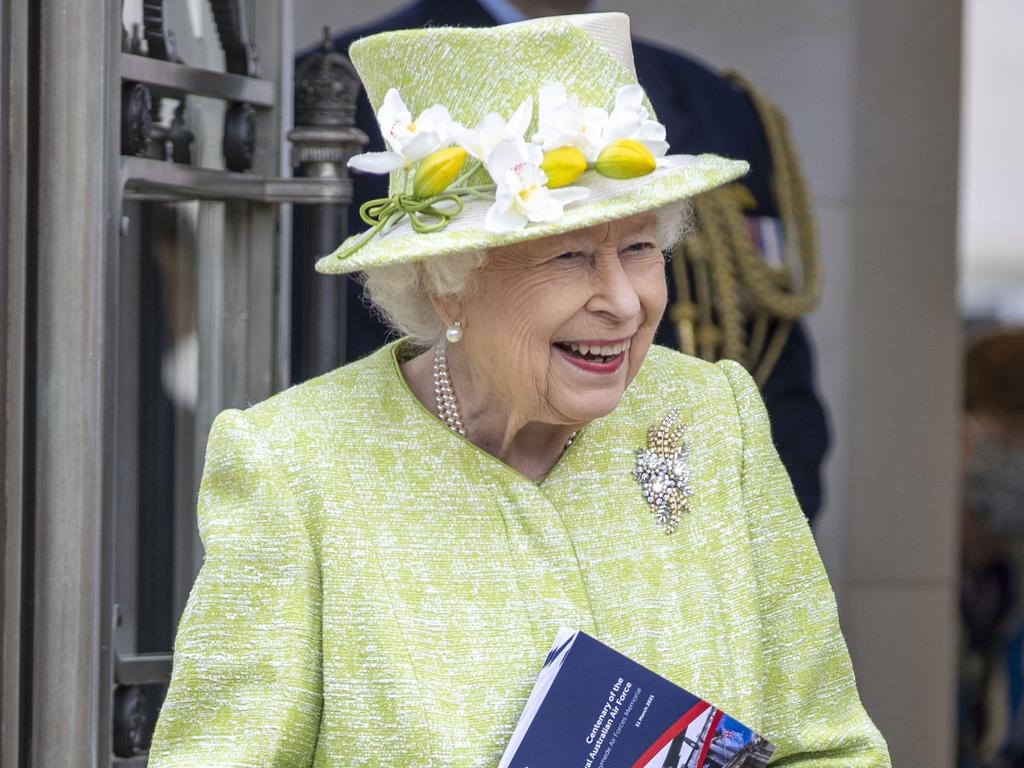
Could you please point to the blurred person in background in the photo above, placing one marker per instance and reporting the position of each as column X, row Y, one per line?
column 748, row 309
column 992, row 571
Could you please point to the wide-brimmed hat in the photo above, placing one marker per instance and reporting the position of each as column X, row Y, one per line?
column 504, row 134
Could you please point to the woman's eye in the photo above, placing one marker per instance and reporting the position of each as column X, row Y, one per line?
column 641, row 247
column 568, row 255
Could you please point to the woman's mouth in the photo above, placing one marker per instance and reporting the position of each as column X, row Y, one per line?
column 596, row 356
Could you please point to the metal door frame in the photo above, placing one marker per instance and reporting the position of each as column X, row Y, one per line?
column 55, row 632
column 15, row 448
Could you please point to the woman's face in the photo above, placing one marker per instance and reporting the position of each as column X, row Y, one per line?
column 559, row 326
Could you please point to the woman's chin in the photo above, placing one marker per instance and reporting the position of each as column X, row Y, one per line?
column 584, row 409
column 588, row 391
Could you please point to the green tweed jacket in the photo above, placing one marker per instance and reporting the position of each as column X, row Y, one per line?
column 377, row 591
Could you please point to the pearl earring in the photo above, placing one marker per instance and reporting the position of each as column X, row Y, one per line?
column 454, row 332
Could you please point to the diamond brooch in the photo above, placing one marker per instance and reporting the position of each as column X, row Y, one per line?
column 662, row 471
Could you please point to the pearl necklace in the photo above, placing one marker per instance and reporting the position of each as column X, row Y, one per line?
column 444, row 397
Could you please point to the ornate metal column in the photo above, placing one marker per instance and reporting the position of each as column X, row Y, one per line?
column 325, row 137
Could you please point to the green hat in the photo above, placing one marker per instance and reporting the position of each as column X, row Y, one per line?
column 504, row 134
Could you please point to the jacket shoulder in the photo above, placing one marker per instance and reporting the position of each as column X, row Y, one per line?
column 333, row 397
column 667, row 369
column 702, row 390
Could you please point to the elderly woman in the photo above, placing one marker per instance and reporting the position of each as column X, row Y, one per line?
column 391, row 548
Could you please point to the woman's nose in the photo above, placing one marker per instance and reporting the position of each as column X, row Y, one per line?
column 614, row 292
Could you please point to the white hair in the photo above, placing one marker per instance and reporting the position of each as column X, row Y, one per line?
column 401, row 293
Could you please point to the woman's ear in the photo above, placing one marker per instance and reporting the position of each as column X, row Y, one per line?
column 447, row 309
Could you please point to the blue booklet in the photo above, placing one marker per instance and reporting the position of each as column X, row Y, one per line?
column 592, row 707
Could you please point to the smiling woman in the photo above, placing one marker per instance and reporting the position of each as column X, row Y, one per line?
column 391, row 547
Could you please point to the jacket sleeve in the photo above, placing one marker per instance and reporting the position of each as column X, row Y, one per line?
column 246, row 684
column 813, row 713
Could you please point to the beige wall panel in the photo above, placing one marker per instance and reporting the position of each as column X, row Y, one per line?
column 891, row 633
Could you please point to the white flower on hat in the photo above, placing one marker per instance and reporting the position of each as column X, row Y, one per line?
column 630, row 119
column 520, row 194
column 410, row 140
column 561, row 122
column 493, row 130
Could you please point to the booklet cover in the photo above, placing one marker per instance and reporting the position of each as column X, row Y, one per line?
column 592, row 707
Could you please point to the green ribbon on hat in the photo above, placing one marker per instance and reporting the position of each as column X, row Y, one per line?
column 383, row 213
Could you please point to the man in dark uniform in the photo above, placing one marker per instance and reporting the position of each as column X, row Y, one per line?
column 702, row 112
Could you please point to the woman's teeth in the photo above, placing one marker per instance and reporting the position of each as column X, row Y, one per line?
column 595, row 351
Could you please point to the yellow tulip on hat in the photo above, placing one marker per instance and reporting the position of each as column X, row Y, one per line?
column 625, row 159
column 437, row 171
column 563, row 166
